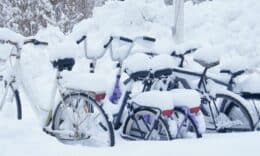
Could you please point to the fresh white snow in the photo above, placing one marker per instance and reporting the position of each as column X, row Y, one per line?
column 225, row 30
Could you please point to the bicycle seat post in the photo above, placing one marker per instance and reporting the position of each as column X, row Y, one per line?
column 203, row 77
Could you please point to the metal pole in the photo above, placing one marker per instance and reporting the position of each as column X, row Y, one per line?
column 178, row 25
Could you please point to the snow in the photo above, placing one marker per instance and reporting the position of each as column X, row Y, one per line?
column 94, row 46
column 6, row 34
column 251, row 83
column 163, row 61
column 225, row 30
column 29, row 140
column 166, row 100
column 65, row 49
column 94, row 82
column 208, row 54
column 137, row 62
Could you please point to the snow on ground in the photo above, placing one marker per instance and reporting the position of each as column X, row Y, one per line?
column 26, row 138
column 228, row 30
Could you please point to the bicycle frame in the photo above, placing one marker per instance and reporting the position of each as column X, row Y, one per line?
column 16, row 79
column 118, row 116
column 202, row 88
column 248, row 96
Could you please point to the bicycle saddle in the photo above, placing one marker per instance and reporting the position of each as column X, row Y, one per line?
column 207, row 64
column 139, row 75
column 162, row 73
column 64, row 64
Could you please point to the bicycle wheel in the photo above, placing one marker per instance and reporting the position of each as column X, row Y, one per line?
column 186, row 126
column 236, row 112
column 13, row 97
column 80, row 119
column 142, row 126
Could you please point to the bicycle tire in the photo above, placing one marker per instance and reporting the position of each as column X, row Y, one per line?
column 191, row 125
column 18, row 104
column 131, row 129
column 92, row 106
column 235, row 103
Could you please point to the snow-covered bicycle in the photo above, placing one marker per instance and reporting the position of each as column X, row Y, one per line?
column 223, row 110
column 149, row 131
column 144, row 120
column 78, row 116
column 250, row 94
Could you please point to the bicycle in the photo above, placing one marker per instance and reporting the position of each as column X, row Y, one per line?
column 77, row 118
column 146, row 129
column 248, row 95
column 140, row 121
column 217, row 106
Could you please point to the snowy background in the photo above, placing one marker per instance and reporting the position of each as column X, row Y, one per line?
column 225, row 30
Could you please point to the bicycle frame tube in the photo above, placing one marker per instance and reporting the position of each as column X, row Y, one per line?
column 4, row 97
column 18, row 73
column 10, row 79
column 202, row 86
column 117, row 122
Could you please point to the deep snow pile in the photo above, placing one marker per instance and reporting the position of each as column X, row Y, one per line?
column 228, row 30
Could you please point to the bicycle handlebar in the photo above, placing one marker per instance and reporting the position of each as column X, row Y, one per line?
column 35, row 42
column 147, row 38
column 109, row 41
column 151, row 54
column 125, row 39
column 81, row 39
column 185, row 53
column 182, row 56
column 8, row 42
column 225, row 71
column 190, row 51
column 233, row 74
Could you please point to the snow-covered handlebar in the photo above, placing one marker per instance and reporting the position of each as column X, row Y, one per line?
column 32, row 41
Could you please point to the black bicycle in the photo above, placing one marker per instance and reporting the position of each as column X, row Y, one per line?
column 223, row 110
column 252, row 97
column 138, row 122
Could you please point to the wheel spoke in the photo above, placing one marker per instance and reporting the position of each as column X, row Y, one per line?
column 90, row 127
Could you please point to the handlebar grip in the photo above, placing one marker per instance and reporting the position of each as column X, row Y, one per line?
column 225, row 71
column 127, row 81
column 35, row 42
column 239, row 73
column 125, row 39
column 147, row 38
column 151, row 54
column 109, row 42
column 40, row 43
column 190, row 51
column 81, row 39
column 174, row 54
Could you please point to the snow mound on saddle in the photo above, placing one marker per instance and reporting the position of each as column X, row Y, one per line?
column 65, row 49
column 162, row 61
column 137, row 62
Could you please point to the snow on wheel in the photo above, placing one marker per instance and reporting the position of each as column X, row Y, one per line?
column 81, row 120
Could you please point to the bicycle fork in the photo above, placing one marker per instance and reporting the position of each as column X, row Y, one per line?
column 206, row 101
column 15, row 94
